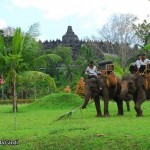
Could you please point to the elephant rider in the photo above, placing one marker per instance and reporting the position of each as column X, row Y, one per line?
column 91, row 72
column 144, row 61
column 134, row 67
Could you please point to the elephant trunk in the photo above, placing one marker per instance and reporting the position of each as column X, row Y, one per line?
column 87, row 98
column 124, row 90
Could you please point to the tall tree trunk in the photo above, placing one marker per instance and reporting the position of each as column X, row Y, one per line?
column 15, row 108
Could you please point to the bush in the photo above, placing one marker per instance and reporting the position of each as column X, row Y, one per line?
column 19, row 101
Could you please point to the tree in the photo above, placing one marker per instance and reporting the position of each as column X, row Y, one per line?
column 21, row 56
column 34, row 76
column 85, row 55
column 43, row 61
column 11, row 60
column 119, row 29
column 68, row 71
column 143, row 31
column 65, row 53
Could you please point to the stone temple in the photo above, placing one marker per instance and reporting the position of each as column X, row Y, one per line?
column 70, row 39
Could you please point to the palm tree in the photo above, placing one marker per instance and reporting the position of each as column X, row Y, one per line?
column 12, row 60
column 34, row 76
column 68, row 71
column 86, row 54
column 42, row 62
column 21, row 57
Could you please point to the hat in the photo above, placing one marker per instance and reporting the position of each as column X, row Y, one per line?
column 91, row 62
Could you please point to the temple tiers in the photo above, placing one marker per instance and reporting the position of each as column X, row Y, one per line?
column 70, row 37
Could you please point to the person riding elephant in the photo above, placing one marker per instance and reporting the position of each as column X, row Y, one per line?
column 92, row 72
column 93, row 90
column 134, row 67
column 135, row 87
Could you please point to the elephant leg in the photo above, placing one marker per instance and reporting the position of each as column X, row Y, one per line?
column 88, row 95
column 138, row 108
column 141, row 96
column 120, row 107
column 98, row 107
column 128, row 106
column 105, row 94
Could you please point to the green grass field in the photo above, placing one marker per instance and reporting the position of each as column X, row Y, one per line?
column 36, row 127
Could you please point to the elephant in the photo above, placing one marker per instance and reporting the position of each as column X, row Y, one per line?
column 135, row 87
column 93, row 91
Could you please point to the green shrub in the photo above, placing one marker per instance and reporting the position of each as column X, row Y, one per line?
column 19, row 101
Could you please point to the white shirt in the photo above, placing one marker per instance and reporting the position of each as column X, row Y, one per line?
column 138, row 63
column 145, row 62
column 91, row 71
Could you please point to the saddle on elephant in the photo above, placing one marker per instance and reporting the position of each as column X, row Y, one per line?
column 106, row 70
column 146, row 81
column 111, row 79
column 145, row 76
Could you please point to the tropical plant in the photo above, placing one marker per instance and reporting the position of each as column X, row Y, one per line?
column 35, row 76
column 86, row 54
column 43, row 61
column 65, row 53
column 21, row 57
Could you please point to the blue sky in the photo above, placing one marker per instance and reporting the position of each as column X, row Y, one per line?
column 85, row 16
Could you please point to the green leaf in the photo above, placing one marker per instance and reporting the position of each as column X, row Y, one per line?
column 147, row 47
column 53, row 58
column 36, row 75
column 17, row 41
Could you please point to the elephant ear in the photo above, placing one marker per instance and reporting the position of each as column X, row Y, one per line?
column 131, row 86
column 139, row 82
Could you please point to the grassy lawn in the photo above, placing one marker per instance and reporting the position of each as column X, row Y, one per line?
column 36, row 127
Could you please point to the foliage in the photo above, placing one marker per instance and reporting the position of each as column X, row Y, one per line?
column 35, row 76
column 85, row 55
column 143, row 31
column 118, row 70
column 68, row 71
column 147, row 47
column 22, row 56
column 42, row 60
column 19, row 101
column 65, row 53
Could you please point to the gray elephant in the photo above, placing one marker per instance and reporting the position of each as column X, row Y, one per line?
column 107, row 91
column 135, row 87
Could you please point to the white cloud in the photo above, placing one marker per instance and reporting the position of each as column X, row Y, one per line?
column 2, row 24
column 84, row 7
column 92, row 13
column 96, row 10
